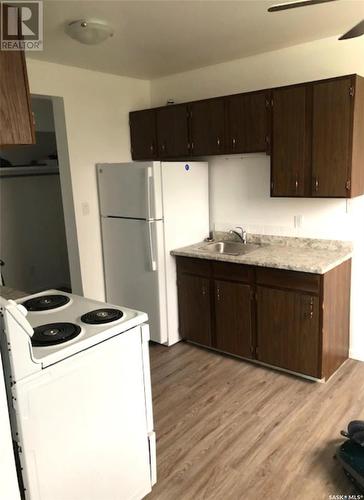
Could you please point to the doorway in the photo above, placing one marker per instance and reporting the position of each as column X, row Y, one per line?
column 38, row 239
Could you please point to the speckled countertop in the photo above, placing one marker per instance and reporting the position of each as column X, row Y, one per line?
column 296, row 254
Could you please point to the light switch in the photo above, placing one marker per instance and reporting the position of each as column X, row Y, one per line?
column 85, row 206
column 298, row 221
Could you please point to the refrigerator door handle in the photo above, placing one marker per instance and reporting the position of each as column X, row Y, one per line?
column 153, row 260
column 150, row 192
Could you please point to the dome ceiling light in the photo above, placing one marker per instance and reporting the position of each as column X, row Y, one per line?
column 89, row 32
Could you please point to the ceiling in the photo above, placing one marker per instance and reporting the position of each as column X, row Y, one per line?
column 156, row 38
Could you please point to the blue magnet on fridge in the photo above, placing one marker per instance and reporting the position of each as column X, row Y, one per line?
column 187, row 167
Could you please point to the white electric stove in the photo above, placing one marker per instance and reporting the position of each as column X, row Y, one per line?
column 79, row 389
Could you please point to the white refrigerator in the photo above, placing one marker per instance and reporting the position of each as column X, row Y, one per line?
column 148, row 209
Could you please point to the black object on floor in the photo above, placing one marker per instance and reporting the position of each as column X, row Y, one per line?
column 351, row 454
column 355, row 432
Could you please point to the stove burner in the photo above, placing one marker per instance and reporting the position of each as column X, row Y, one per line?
column 46, row 302
column 101, row 316
column 54, row 333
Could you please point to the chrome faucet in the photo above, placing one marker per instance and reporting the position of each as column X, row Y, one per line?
column 240, row 234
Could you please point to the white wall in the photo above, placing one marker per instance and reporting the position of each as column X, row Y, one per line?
column 320, row 59
column 33, row 240
column 96, row 113
column 239, row 188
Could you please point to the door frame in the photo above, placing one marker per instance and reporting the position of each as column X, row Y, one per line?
column 66, row 191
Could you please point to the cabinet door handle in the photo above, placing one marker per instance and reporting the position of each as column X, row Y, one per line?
column 316, row 184
column 233, row 140
column 296, row 184
column 163, row 147
column 218, row 293
column 310, row 313
column 151, row 148
column 218, row 141
column 203, row 290
column 192, row 146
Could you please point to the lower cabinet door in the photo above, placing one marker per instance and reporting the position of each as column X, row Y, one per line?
column 288, row 330
column 194, row 308
column 233, row 318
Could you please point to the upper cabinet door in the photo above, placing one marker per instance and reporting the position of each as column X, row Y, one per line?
column 16, row 119
column 247, row 122
column 290, row 135
column 207, row 127
column 143, row 134
column 331, row 139
column 172, row 131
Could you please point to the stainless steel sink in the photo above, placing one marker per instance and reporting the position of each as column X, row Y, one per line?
column 229, row 247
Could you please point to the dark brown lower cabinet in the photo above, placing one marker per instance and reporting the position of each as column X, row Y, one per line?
column 288, row 319
column 194, row 308
column 233, row 318
column 288, row 330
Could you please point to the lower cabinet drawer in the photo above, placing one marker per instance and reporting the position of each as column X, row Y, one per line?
column 232, row 272
column 293, row 280
column 199, row 267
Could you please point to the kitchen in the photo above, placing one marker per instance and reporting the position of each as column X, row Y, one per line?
column 239, row 195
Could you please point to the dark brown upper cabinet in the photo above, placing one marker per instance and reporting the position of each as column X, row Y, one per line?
column 332, row 132
column 172, row 131
column 247, row 122
column 314, row 132
column 207, row 130
column 143, row 134
column 290, row 141
column 317, row 139
column 16, row 118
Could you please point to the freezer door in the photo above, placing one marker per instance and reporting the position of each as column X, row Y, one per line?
column 134, row 269
column 130, row 190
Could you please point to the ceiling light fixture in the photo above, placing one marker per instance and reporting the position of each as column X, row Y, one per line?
column 89, row 31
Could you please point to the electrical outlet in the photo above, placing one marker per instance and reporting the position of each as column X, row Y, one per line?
column 85, row 207
column 298, row 221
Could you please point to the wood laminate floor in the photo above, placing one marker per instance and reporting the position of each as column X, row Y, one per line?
column 228, row 429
